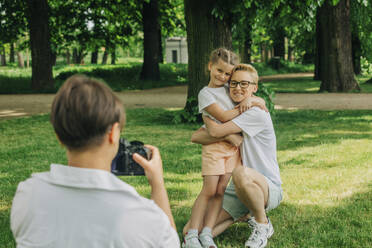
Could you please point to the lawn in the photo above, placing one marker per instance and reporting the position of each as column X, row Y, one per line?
column 308, row 85
column 324, row 157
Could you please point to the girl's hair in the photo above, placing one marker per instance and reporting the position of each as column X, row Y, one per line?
column 224, row 54
column 248, row 68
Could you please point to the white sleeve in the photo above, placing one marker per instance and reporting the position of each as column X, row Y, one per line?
column 170, row 238
column 205, row 98
column 19, row 211
column 251, row 121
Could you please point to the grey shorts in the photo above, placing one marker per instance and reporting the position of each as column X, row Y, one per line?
column 237, row 209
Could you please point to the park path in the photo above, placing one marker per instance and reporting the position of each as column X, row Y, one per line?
column 175, row 97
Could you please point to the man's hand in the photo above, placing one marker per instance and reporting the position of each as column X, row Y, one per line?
column 234, row 139
column 153, row 168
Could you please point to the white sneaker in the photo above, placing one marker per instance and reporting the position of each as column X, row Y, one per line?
column 191, row 241
column 206, row 239
column 260, row 234
column 252, row 222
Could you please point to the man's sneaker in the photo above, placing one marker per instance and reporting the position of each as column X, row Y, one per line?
column 191, row 241
column 259, row 235
column 252, row 222
column 206, row 239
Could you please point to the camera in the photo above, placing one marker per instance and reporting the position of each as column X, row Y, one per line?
column 123, row 163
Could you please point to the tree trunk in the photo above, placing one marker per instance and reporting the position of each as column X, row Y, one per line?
column 12, row 53
column 54, row 58
column 38, row 20
column 161, row 56
column 279, row 43
column 75, row 56
column 336, row 63
column 68, row 57
column 204, row 34
column 319, row 46
column 104, row 57
column 113, row 55
column 2, row 56
column 245, row 53
column 151, row 53
column 78, row 56
column 290, row 53
column 94, row 58
column 21, row 62
column 356, row 53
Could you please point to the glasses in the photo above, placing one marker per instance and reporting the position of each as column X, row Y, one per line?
column 243, row 84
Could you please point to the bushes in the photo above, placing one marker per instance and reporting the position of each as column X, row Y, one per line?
column 119, row 77
column 123, row 77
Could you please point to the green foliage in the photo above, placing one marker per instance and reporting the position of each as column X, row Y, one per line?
column 268, row 95
column 264, row 69
column 366, row 66
column 190, row 114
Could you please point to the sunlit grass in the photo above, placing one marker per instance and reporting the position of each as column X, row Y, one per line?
column 324, row 157
column 308, row 85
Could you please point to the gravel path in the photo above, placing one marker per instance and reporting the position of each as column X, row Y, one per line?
column 175, row 97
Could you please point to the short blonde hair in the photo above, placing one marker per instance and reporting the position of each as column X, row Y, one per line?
column 247, row 68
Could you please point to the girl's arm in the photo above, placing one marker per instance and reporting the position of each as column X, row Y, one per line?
column 201, row 136
column 220, row 130
column 249, row 102
column 220, row 114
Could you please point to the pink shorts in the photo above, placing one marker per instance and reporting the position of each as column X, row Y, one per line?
column 219, row 158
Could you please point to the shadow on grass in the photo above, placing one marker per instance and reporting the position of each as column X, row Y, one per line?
column 308, row 128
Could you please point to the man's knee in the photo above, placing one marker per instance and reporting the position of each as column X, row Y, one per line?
column 241, row 176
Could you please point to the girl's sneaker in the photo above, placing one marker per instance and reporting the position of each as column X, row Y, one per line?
column 191, row 241
column 206, row 239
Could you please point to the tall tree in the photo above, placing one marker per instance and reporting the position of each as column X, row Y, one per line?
column 205, row 32
column 38, row 21
column 151, row 32
column 337, row 73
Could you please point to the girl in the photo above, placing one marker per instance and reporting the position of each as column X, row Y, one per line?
column 220, row 158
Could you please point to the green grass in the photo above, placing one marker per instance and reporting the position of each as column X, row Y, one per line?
column 324, row 157
column 308, row 85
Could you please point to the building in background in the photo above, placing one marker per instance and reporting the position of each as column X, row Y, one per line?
column 176, row 50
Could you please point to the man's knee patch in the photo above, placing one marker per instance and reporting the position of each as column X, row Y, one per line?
column 241, row 176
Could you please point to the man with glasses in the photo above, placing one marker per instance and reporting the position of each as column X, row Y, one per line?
column 256, row 186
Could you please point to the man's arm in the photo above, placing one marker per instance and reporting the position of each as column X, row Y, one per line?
column 220, row 130
column 154, row 173
column 201, row 136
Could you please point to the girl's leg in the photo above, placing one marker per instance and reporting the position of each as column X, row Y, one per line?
column 198, row 210
column 216, row 202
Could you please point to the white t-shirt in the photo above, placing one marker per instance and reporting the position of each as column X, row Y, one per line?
column 77, row 207
column 258, row 149
column 208, row 96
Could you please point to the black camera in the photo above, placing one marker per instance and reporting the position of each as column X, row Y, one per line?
column 123, row 163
